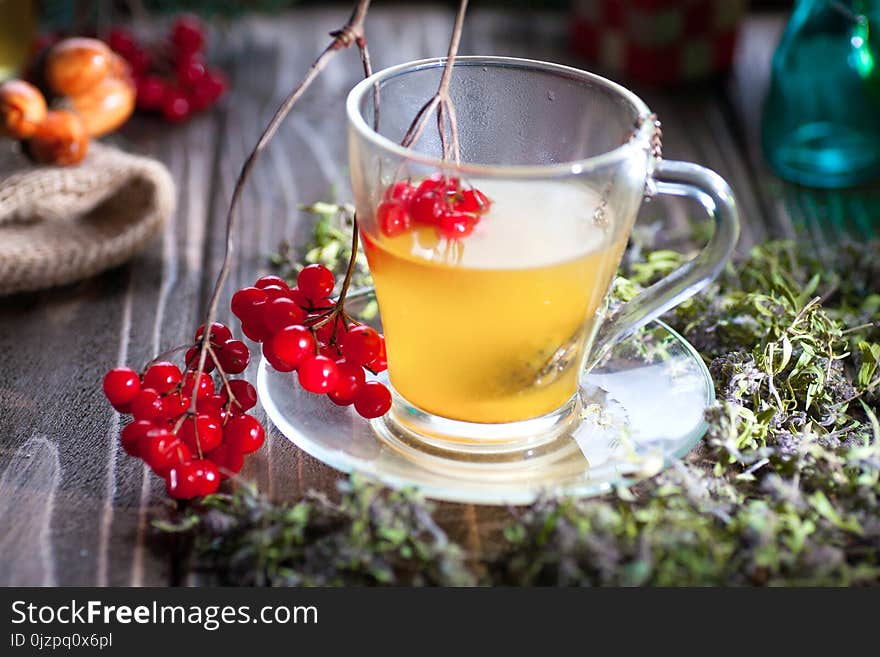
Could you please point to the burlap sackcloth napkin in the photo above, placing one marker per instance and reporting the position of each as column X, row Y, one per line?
column 62, row 224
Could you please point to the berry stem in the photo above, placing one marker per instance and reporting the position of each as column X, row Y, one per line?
column 180, row 422
column 346, row 282
column 368, row 71
column 165, row 354
column 224, row 378
column 441, row 101
column 338, row 308
column 350, row 33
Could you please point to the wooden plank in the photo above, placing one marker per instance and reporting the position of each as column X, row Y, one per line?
column 59, row 343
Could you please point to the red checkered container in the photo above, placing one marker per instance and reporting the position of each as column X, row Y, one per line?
column 658, row 41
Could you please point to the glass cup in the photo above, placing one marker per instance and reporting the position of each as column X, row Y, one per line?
column 488, row 335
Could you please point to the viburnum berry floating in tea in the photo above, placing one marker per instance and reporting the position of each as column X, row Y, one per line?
column 443, row 202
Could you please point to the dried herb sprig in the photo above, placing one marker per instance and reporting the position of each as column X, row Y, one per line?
column 370, row 536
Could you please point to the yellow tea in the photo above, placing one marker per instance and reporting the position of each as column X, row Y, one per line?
column 491, row 328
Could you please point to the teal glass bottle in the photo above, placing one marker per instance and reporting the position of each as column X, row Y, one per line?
column 821, row 119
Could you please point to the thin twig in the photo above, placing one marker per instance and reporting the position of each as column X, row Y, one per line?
column 223, row 378
column 368, row 71
column 346, row 283
column 165, row 354
column 338, row 308
column 441, row 101
column 351, row 33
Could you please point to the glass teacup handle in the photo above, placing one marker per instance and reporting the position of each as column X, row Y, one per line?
column 714, row 194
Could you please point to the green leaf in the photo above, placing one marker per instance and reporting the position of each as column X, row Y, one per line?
column 825, row 509
column 872, row 418
column 870, row 358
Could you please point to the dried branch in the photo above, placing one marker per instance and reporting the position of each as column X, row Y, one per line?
column 441, row 101
column 351, row 33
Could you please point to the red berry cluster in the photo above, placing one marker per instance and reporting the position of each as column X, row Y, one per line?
column 302, row 329
column 438, row 201
column 192, row 451
column 174, row 78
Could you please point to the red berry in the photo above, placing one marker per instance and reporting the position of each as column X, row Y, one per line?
column 205, row 386
column 192, row 359
column 290, row 346
column 427, row 208
column 150, row 92
column 220, row 333
column 331, row 351
column 315, row 281
column 175, row 105
column 162, row 377
column 244, row 433
column 373, row 400
column 132, row 436
column 266, row 281
column 190, row 69
column 473, row 200
column 210, row 433
column 319, row 310
column 247, row 303
column 362, row 345
column 233, row 356
column 194, row 479
column 147, row 405
column 451, row 185
column 275, row 292
column 456, row 225
column 122, row 41
column 228, row 459
column 380, row 363
column 174, row 405
column 245, row 395
column 198, row 102
column 281, row 313
column 187, row 34
column 431, row 184
column 279, row 364
column 213, row 406
column 351, row 379
column 332, row 332
column 393, row 218
column 299, row 298
column 162, row 451
column 121, row 386
column 253, row 328
column 400, row 191
column 139, row 60
column 206, row 91
column 318, row 374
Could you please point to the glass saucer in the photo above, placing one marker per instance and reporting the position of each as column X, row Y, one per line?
column 641, row 409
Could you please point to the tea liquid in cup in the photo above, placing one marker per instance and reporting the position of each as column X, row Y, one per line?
column 473, row 325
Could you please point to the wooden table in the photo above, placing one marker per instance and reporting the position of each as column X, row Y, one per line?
column 74, row 508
